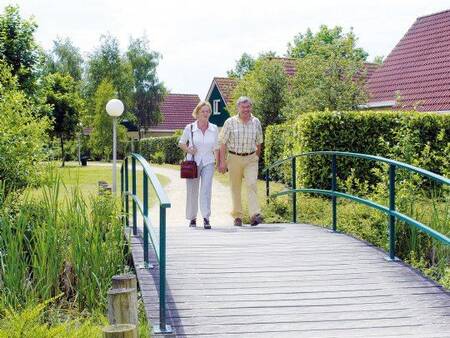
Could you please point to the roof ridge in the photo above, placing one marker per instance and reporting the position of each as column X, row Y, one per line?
column 428, row 15
column 182, row 94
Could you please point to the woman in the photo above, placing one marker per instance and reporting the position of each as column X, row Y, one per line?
column 200, row 142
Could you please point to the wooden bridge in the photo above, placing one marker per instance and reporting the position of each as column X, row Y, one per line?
column 284, row 280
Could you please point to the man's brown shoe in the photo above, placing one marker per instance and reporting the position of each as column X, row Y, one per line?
column 255, row 220
column 237, row 222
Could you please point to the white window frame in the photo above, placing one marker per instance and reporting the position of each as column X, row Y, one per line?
column 216, row 107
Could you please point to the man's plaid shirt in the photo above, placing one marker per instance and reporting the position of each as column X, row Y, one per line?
column 241, row 137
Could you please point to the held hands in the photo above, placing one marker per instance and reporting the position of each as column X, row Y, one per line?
column 222, row 167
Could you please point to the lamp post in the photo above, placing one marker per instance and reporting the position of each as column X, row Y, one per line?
column 80, row 132
column 114, row 108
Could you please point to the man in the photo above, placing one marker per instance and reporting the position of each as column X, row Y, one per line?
column 241, row 137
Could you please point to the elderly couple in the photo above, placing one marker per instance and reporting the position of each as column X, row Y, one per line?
column 236, row 149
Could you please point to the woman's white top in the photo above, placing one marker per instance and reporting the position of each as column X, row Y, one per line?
column 205, row 143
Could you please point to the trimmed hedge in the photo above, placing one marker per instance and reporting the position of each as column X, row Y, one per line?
column 161, row 149
column 421, row 139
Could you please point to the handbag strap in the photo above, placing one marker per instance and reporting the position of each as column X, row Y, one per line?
column 192, row 140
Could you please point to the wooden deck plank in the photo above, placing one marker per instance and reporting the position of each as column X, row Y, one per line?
column 287, row 280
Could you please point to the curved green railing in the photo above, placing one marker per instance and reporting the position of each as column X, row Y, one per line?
column 143, row 207
column 390, row 211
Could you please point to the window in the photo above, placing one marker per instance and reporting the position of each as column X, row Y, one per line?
column 216, row 107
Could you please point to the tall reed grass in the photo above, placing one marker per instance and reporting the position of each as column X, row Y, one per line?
column 50, row 246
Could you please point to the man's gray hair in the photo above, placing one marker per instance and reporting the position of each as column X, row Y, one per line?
column 243, row 99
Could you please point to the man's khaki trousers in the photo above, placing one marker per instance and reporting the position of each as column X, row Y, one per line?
column 246, row 167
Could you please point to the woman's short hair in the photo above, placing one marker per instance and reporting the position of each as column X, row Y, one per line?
column 243, row 99
column 200, row 105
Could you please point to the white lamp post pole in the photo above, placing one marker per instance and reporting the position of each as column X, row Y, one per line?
column 114, row 108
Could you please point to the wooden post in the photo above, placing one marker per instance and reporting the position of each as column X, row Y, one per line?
column 120, row 331
column 122, row 306
column 125, row 281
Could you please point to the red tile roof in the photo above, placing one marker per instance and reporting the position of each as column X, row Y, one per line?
column 226, row 86
column 177, row 111
column 418, row 68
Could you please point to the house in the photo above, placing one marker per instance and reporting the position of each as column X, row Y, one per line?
column 219, row 96
column 416, row 74
column 221, row 89
column 176, row 110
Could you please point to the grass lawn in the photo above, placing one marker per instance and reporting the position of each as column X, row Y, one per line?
column 87, row 178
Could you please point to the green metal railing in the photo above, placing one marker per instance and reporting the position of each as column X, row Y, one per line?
column 390, row 211
column 148, row 233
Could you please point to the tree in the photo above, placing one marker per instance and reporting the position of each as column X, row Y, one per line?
column 330, row 72
column 65, row 58
column 22, row 135
column 245, row 64
column 267, row 86
column 101, row 137
column 148, row 92
column 18, row 47
column 66, row 105
column 107, row 64
column 324, row 43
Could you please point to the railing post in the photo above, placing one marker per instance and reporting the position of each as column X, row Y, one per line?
column 122, row 195
column 267, row 187
column 127, row 201
column 133, row 189
column 392, row 208
column 145, row 193
column 333, row 188
column 162, row 270
column 294, row 186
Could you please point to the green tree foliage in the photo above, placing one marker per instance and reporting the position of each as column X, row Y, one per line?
column 324, row 42
column 148, row 92
column 330, row 72
column 107, row 64
column 22, row 135
column 18, row 47
column 65, row 58
column 245, row 64
column 267, row 86
column 63, row 96
column 101, row 137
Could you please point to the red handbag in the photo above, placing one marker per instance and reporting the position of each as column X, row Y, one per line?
column 188, row 168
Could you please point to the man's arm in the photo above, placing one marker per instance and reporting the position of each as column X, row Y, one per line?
column 222, row 161
column 258, row 150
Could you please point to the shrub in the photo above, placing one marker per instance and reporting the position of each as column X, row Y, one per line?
column 422, row 139
column 159, row 157
column 167, row 145
column 22, row 135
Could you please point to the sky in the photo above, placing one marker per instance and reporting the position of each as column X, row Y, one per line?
column 201, row 39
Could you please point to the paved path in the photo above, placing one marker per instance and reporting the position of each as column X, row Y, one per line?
column 176, row 190
column 283, row 280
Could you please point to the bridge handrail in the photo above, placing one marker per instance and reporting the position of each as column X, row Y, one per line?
column 398, row 164
column 148, row 233
column 391, row 211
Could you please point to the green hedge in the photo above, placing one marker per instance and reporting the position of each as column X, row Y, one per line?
column 161, row 149
column 421, row 139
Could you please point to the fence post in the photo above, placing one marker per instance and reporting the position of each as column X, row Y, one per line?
column 120, row 330
column 294, row 186
column 145, row 193
column 163, row 327
column 133, row 188
column 267, row 186
column 333, row 188
column 127, row 201
column 392, row 208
